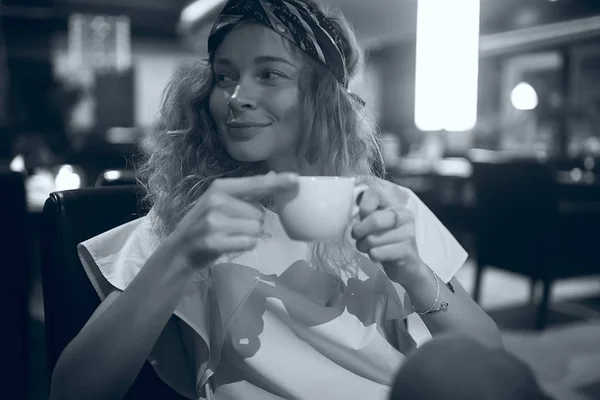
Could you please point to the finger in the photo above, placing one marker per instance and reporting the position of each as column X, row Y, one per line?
column 381, row 220
column 216, row 222
column 221, row 244
column 239, row 226
column 384, row 238
column 389, row 252
column 255, row 187
column 370, row 201
column 232, row 206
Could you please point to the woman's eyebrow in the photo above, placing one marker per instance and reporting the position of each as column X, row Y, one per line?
column 222, row 61
column 266, row 59
column 257, row 60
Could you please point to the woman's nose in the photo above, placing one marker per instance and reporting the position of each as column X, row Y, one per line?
column 241, row 99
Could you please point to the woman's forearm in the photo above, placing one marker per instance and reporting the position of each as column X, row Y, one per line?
column 104, row 359
column 463, row 315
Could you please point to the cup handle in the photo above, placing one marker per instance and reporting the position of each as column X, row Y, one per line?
column 358, row 190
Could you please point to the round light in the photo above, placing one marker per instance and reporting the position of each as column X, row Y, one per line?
column 524, row 97
column 576, row 174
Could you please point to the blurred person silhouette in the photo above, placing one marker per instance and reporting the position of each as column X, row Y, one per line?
column 453, row 367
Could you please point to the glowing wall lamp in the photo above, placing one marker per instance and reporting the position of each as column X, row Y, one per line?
column 447, row 64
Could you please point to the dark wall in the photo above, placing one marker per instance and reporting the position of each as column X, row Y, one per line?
column 27, row 76
column 113, row 110
column 397, row 66
column 490, row 85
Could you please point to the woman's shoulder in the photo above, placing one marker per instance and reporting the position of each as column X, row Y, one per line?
column 400, row 195
column 118, row 254
column 136, row 233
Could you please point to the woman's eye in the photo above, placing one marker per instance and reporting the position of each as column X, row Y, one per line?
column 271, row 75
column 223, row 79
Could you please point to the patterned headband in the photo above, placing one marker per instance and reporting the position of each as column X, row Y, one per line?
column 297, row 22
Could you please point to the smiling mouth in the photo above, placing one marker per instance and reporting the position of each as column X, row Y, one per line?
column 242, row 131
column 242, row 124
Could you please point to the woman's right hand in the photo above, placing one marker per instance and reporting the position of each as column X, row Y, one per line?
column 226, row 219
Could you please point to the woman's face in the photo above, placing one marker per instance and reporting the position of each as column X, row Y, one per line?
column 256, row 99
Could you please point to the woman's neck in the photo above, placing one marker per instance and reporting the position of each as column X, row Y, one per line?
column 283, row 163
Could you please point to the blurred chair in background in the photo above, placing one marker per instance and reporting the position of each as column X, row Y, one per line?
column 516, row 213
column 529, row 222
column 14, row 296
column 69, row 298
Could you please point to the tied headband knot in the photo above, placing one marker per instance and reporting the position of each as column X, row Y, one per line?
column 297, row 22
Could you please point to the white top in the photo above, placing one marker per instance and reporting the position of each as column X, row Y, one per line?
column 270, row 326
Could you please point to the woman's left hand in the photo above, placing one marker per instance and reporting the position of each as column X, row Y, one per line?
column 386, row 232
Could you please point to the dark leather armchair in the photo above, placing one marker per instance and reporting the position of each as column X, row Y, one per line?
column 71, row 217
column 516, row 216
column 14, row 296
column 521, row 227
column 516, row 208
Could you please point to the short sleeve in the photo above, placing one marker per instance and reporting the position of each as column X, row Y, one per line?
column 112, row 259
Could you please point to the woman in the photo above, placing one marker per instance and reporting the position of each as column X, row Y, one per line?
column 210, row 289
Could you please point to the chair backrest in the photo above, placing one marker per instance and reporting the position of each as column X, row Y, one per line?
column 71, row 217
column 516, row 209
column 14, row 296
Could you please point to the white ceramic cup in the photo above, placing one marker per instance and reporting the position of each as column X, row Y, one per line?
column 320, row 208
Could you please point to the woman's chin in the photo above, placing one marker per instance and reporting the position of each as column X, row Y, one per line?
column 245, row 155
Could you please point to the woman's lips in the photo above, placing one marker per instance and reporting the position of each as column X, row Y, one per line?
column 244, row 130
column 246, row 124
